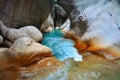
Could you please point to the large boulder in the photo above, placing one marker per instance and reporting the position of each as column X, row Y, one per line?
column 11, row 34
column 96, row 23
column 18, row 13
column 23, row 52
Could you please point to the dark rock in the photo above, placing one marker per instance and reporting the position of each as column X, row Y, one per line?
column 48, row 25
column 18, row 13
column 67, row 5
column 1, row 39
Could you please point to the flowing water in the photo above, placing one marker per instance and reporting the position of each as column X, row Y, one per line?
column 62, row 48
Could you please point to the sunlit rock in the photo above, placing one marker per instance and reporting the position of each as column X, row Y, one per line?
column 97, row 24
column 12, row 34
column 32, row 32
column 23, row 52
column 66, row 25
column 104, row 21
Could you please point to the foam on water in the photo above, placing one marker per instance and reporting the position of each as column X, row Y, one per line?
column 62, row 48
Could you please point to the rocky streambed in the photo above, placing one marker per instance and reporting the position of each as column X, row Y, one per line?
column 92, row 26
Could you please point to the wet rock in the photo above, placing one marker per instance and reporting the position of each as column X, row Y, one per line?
column 23, row 52
column 48, row 25
column 92, row 68
column 104, row 18
column 28, row 60
column 91, row 19
column 73, row 9
column 65, row 26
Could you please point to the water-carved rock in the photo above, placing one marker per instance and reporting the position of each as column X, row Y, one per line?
column 23, row 52
column 20, row 13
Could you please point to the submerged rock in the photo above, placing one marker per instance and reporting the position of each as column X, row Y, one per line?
column 92, row 68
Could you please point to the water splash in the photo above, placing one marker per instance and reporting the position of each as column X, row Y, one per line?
column 62, row 48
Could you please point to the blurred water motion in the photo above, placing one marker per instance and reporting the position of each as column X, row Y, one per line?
column 91, row 68
column 62, row 48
